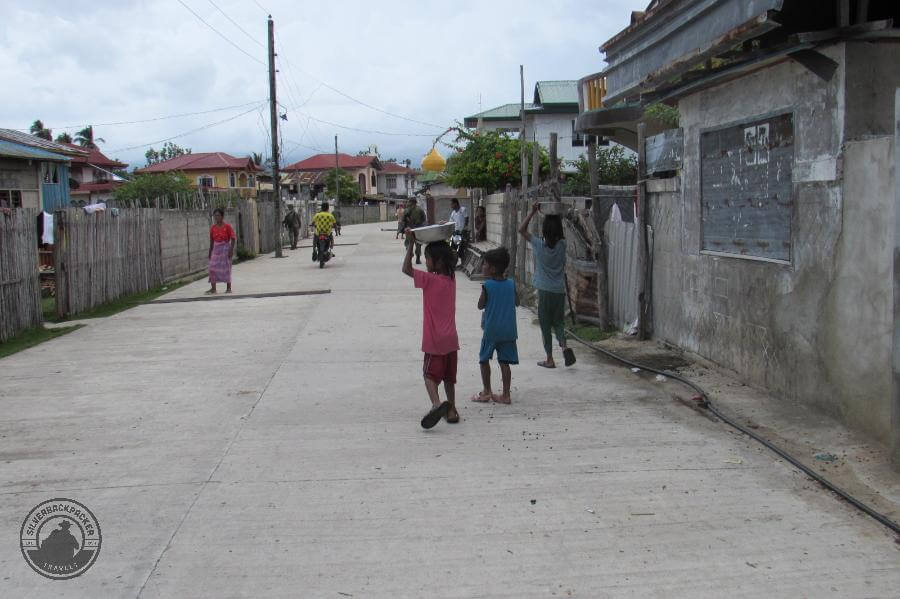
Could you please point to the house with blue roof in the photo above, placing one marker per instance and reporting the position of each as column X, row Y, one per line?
column 553, row 109
column 34, row 172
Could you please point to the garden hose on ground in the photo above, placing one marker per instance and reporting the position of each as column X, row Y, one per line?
column 706, row 403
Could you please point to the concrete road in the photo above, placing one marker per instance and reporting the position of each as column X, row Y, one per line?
column 271, row 448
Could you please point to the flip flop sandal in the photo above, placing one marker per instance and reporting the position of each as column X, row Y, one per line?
column 479, row 398
column 452, row 417
column 498, row 398
column 435, row 415
column 569, row 356
column 545, row 365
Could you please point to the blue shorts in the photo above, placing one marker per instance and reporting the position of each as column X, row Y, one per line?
column 507, row 353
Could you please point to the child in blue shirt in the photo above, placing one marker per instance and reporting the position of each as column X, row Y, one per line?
column 498, row 321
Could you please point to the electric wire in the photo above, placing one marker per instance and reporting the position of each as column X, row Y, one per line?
column 235, row 23
column 202, row 128
column 159, row 118
column 220, row 34
column 707, row 403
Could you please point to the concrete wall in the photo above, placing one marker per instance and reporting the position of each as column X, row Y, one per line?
column 817, row 330
column 184, row 242
column 540, row 126
column 493, row 207
column 895, row 437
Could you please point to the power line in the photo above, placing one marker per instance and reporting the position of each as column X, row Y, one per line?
column 233, row 22
column 367, row 105
column 159, row 118
column 220, row 34
column 262, row 8
column 207, row 126
column 365, row 130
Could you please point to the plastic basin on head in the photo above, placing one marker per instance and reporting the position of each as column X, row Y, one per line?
column 548, row 208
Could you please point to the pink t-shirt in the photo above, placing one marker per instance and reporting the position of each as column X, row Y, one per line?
column 439, row 312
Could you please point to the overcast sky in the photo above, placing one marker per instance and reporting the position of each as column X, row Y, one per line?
column 74, row 62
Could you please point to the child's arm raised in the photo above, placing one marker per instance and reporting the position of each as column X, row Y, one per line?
column 410, row 245
column 523, row 230
column 482, row 301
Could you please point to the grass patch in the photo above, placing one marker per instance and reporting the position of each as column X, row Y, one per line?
column 33, row 337
column 48, row 307
column 590, row 332
column 123, row 303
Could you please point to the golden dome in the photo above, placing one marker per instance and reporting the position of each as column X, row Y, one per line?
column 433, row 161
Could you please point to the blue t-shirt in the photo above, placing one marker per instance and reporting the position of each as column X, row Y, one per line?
column 549, row 265
column 499, row 317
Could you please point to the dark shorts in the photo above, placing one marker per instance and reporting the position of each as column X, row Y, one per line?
column 507, row 352
column 440, row 368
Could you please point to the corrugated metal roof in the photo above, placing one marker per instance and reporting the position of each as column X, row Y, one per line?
column 9, row 149
column 507, row 112
column 326, row 162
column 39, row 142
column 200, row 161
column 556, row 92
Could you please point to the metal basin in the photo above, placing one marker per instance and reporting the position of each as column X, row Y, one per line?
column 434, row 233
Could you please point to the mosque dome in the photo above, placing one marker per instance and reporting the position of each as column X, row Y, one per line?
column 434, row 162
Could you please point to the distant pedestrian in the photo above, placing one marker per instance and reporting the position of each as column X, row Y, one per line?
column 440, row 341
column 293, row 224
column 550, row 281
column 498, row 324
column 399, row 214
column 412, row 218
column 221, row 251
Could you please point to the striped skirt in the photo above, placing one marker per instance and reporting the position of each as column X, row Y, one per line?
column 220, row 263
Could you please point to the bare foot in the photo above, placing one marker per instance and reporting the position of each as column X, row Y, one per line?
column 504, row 399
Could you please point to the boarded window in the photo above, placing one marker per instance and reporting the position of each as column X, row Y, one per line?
column 746, row 190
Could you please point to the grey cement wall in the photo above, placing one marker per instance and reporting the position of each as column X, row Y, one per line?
column 817, row 330
column 895, row 435
column 184, row 242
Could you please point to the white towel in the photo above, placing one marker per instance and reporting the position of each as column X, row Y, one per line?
column 47, row 235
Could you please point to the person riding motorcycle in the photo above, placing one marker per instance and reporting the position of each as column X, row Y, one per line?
column 324, row 222
column 460, row 219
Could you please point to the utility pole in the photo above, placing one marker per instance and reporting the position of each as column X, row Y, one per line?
column 273, row 117
column 337, row 176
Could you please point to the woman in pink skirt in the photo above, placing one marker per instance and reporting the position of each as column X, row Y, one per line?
column 221, row 249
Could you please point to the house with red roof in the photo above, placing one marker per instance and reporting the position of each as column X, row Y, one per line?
column 364, row 169
column 396, row 180
column 91, row 176
column 213, row 171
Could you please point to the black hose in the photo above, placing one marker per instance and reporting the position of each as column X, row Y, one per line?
column 706, row 403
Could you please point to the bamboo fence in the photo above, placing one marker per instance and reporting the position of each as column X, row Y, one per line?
column 267, row 229
column 20, row 289
column 103, row 256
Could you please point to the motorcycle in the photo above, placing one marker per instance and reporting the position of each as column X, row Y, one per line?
column 322, row 251
column 458, row 245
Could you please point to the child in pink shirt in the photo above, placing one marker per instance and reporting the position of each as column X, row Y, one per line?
column 439, row 339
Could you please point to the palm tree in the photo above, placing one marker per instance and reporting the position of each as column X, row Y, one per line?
column 257, row 158
column 38, row 130
column 64, row 138
column 85, row 138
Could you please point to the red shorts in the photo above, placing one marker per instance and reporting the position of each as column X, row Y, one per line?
column 440, row 368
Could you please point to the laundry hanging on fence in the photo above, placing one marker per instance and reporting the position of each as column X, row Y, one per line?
column 92, row 208
column 46, row 228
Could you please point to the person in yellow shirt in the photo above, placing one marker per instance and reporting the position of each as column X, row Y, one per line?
column 324, row 223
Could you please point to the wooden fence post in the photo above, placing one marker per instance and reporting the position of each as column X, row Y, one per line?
column 641, row 223
column 601, row 255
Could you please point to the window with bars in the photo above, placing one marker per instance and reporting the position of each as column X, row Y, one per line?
column 391, row 181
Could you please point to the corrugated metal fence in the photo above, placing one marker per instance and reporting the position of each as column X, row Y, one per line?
column 622, row 272
column 20, row 303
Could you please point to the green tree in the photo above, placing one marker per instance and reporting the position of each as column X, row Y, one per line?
column 256, row 157
column 489, row 160
column 665, row 115
column 38, row 130
column 168, row 151
column 146, row 188
column 85, row 138
column 615, row 166
column 64, row 138
column 349, row 188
